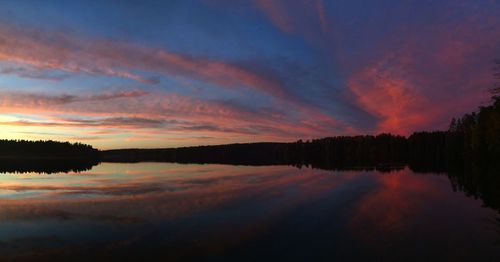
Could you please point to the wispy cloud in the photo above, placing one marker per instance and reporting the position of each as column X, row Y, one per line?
column 67, row 52
column 34, row 99
column 413, row 75
column 33, row 73
column 277, row 13
column 74, row 54
column 164, row 113
column 116, row 122
column 320, row 69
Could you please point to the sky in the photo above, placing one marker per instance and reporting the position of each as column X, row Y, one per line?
column 130, row 74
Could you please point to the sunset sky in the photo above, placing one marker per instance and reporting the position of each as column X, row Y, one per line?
column 115, row 74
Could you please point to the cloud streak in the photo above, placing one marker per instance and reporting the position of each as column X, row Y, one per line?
column 50, row 50
column 32, row 99
column 413, row 74
column 33, row 73
column 159, row 114
column 282, row 71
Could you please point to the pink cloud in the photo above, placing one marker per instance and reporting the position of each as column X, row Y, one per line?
column 277, row 13
column 413, row 86
column 162, row 115
column 412, row 79
column 67, row 52
column 394, row 100
column 48, row 50
column 290, row 17
column 22, row 99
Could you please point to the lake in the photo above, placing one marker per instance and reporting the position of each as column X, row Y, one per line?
column 243, row 213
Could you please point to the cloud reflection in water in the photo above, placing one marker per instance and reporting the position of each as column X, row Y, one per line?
column 185, row 211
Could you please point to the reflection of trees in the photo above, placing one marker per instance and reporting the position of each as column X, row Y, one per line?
column 326, row 153
column 478, row 181
column 47, row 166
column 467, row 151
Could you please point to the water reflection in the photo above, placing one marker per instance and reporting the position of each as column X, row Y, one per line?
column 219, row 212
column 46, row 166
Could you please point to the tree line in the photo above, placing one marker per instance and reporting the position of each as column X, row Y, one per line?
column 45, row 149
column 327, row 153
column 474, row 137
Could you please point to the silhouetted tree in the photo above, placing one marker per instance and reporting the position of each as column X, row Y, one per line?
column 477, row 135
column 26, row 148
column 46, row 156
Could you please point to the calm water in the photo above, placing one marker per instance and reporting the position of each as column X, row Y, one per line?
column 235, row 213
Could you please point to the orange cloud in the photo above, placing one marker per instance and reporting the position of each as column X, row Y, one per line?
column 48, row 50
column 159, row 116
